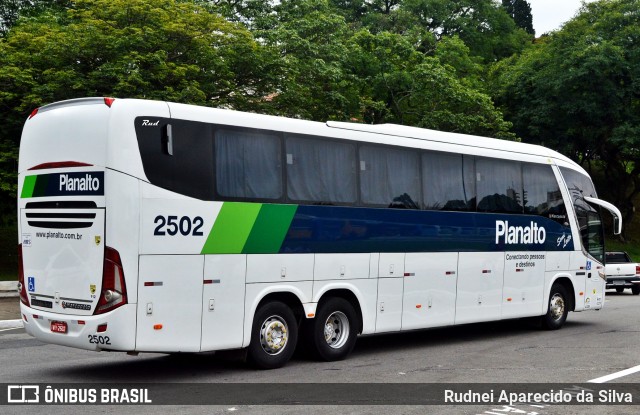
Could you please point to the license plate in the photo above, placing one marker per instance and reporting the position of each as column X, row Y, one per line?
column 618, row 283
column 59, row 327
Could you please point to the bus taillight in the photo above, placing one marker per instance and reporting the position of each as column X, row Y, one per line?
column 21, row 287
column 114, row 290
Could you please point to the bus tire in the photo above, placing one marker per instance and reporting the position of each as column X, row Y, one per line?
column 558, row 308
column 274, row 335
column 332, row 333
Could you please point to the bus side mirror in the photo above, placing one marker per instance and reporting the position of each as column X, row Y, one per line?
column 617, row 225
column 615, row 212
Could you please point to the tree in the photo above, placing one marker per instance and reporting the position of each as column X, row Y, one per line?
column 520, row 11
column 577, row 91
column 157, row 49
column 11, row 10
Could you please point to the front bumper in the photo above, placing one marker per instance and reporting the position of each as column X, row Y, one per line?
column 82, row 331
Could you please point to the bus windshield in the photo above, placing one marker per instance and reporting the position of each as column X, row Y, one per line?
column 589, row 221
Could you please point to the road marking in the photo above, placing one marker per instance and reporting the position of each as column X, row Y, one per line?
column 616, row 375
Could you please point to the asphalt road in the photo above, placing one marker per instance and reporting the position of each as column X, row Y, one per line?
column 590, row 345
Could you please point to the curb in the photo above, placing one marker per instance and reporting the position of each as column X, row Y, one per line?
column 11, row 324
column 8, row 289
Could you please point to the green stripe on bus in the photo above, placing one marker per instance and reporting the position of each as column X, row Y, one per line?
column 28, row 186
column 269, row 230
column 231, row 228
column 40, row 188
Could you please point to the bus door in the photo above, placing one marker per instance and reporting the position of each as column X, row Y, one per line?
column 593, row 239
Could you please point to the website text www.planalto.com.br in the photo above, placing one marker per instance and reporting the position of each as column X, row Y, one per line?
column 59, row 235
column 508, row 395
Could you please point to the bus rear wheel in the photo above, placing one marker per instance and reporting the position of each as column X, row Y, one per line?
column 332, row 333
column 273, row 336
column 558, row 308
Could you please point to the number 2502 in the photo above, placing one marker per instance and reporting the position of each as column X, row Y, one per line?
column 170, row 225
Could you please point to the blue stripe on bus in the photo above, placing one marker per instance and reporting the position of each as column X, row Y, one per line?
column 331, row 229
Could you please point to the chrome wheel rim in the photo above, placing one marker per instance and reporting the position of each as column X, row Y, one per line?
column 336, row 330
column 556, row 305
column 274, row 334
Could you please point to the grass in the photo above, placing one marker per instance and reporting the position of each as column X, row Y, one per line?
column 631, row 247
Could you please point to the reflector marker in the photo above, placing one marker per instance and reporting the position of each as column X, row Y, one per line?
column 418, row 305
column 450, row 273
column 153, row 284
column 211, row 282
column 486, row 271
column 102, row 328
column 409, row 274
column 519, row 269
column 157, row 326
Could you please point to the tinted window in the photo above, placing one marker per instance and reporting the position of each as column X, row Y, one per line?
column 248, row 164
column 390, row 177
column 189, row 171
column 578, row 184
column 591, row 231
column 499, row 186
column 320, row 170
column 447, row 182
column 542, row 194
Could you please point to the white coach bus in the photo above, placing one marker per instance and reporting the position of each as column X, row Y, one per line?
column 150, row 226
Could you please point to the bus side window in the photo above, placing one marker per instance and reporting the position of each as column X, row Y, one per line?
column 389, row 177
column 445, row 186
column 186, row 166
column 542, row 194
column 320, row 171
column 248, row 164
column 499, row 185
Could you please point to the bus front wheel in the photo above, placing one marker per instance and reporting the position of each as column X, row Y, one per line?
column 332, row 333
column 558, row 308
column 273, row 336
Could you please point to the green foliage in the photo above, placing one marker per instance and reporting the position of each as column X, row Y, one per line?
column 156, row 49
column 368, row 60
column 577, row 91
column 520, row 11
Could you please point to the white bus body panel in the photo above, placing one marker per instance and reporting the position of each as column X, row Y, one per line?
column 390, row 290
column 223, row 302
column 274, row 268
column 123, row 227
column 68, row 133
column 341, row 266
column 522, row 292
column 153, row 243
column 170, row 303
column 480, row 280
column 429, row 290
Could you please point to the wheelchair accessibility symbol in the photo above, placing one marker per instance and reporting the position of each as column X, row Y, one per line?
column 31, row 284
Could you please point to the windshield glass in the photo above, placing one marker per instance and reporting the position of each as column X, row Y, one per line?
column 589, row 221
